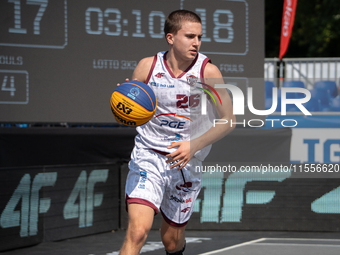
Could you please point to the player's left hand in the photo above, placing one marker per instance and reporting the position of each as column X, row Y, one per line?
column 180, row 157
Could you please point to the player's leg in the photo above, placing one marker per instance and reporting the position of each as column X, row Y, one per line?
column 140, row 222
column 144, row 192
column 173, row 238
column 178, row 205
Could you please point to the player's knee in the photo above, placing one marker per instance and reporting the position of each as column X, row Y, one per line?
column 174, row 242
column 138, row 234
column 171, row 249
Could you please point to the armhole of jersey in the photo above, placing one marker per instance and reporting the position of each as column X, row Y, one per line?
column 205, row 62
column 151, row 69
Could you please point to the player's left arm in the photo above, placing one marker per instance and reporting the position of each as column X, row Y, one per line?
column 186, row 150
column 213, row 76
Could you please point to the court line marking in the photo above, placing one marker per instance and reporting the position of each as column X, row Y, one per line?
column 296, row 244
column 256, row 242
column 300, row 239
column 233, row 246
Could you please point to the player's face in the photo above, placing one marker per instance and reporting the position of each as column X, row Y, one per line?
column 187, row 41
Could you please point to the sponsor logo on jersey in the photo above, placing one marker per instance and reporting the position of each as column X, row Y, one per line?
column 159, row 75
column 172, row 123
column 177, row 200
column 159, row 85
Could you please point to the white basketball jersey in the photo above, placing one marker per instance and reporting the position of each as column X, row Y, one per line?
column 179, row 112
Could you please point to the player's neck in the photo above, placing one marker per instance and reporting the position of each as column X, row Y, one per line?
column 176, row 64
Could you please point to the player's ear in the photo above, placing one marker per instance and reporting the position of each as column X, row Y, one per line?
column 169, row 38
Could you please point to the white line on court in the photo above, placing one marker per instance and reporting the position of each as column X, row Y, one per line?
column 296, row 244
column 302, row 239
column 233, row 246
column 257, row 242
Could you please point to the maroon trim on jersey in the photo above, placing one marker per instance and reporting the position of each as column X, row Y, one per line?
column 170, row 222
column 182, row 74
column 205, row 62
column 133, row 200
column 151, row 69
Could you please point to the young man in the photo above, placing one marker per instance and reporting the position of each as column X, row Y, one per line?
column 162, row 176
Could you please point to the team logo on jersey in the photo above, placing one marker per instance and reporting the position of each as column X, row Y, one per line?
column 191, row 79
column 159, row 75
column 134, row 92
column 186, row 187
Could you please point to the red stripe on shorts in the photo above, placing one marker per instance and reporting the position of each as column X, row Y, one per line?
column 141, row 201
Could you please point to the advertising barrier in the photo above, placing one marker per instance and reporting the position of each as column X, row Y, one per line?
column 57, row 202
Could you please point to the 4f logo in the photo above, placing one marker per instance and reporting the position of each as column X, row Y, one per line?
column 82, row 200
column 185, row 210
column 159, row 75
column 123, row 108
column 25, row 204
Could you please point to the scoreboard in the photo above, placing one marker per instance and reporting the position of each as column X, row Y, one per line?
column 60, row 60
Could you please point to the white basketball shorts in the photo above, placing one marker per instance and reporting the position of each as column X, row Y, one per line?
column 151, row 182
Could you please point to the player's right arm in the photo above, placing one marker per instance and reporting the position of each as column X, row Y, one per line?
column 142, row 69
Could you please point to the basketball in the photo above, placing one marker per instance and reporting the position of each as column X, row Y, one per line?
column 133, row 103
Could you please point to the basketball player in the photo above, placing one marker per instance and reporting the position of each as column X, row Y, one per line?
column 162, row 176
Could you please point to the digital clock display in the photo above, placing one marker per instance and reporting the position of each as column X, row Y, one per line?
column 220, row 38
column 32, row 23
column 60, row 60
